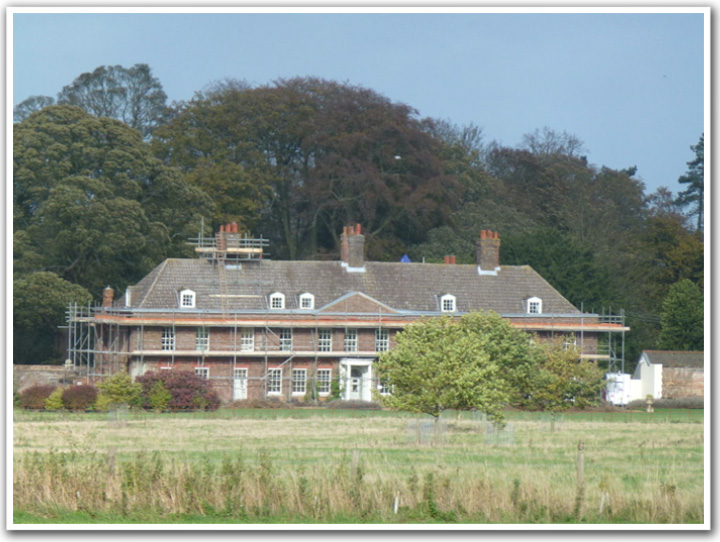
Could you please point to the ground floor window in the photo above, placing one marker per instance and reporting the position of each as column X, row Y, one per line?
column 323, row 381
column 299, row 381
column 385, row 388
column 202, row 372
column 274, row 381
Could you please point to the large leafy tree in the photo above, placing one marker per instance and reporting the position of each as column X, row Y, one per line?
column 39, row 304
column 477, row 362
column 302, row 157
column 29, row 105
column 90, row 202
column 694, row 178
column 682, row 323
column 132, row 95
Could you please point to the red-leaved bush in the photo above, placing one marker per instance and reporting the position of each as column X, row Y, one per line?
column 79, row 397
column 33, row 398
column 189, row 391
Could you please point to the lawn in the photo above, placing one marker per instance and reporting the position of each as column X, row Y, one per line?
column 331, row 466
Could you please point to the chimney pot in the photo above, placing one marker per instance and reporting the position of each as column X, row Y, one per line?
column 452, row 260
column 446, row 260
column 358, row 229
column 222, row 228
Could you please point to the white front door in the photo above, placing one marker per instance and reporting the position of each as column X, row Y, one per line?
column 240, row 384
column 358, row 379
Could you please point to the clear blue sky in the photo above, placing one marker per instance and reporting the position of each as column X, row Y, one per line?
column 629, row 85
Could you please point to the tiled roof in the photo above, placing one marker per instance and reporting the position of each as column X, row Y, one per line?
column 668, row 358
column 400, row 286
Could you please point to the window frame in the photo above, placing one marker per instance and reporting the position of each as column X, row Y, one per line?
column 247, row 339
column 168, row 339
column 325, row 340
column 382, row 340
column 190, row 295
column 324, row 384
column 274, row 381
column 350, row 342
column 307, row 297
column 298, row 386
column 285, row 338
column 202, row 339
column 203, row 372
column 280, row 298
column 534, row 302
column 453, row 303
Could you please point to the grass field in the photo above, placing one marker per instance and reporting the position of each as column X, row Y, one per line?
column 325, row 466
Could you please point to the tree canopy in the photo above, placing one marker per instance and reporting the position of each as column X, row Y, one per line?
column 683, row 316
column 111, row 181
column 479, row 362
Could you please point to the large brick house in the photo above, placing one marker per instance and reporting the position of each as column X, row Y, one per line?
column 292, row 329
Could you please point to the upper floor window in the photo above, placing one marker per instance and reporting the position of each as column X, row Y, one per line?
column 247, row 339
column 307, row 301
column 277, row 301
column 187, row 299
column 382, row 340
column 351, row 340
column 447, row 303
column 286, row 340
column 534, row 305
column 325, row 340
column 202, row 339
column 167, row 341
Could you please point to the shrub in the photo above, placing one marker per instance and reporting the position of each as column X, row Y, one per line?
column 258, row 403
column 54, row 400
column 159, row 397
column 79, row 397
column 33, row 398
column 118, row 389
column 353, row 405
column 188, row 391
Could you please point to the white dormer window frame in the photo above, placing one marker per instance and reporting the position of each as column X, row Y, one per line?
column 307, row 301
column 187, row 299
column 448, row 303
column 277, row 301
column 534, row 305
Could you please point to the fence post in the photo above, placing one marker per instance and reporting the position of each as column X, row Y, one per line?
column 580, row 479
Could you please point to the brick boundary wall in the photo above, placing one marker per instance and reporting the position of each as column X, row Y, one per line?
column 25, row 376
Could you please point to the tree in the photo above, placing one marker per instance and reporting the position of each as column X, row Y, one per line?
column 682, row 322
column 91, row 204
column 131, row 95
column 569, row 265
column 564, row 380
column 39, row 304
column 694, row 194
column 29, row 105
column 477, row 362
column 301, row 158
column 118, row 389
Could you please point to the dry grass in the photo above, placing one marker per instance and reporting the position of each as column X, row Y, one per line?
column 321, row 467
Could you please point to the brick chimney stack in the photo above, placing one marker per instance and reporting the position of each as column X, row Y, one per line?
column 108, row 296
column 488, row 250
column 352, row 246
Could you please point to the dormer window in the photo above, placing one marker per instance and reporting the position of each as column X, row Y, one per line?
column 187, row 299
column 447, row 303
column 307, row 301
column 277, row 301
column 534, row 305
